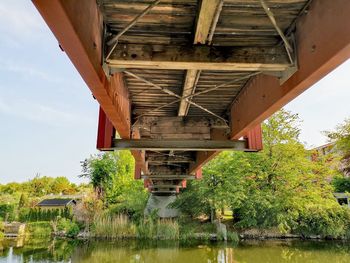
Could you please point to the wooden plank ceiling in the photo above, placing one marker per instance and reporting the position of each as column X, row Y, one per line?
column 165, row 47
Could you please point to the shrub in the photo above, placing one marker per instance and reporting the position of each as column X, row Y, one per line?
column 7, row 212
column 73, row 230
column 70, row 228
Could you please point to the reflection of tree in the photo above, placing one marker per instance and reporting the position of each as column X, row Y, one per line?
column 42, row 250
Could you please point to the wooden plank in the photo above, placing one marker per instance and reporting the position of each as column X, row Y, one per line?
column 200, row 58
column 180, row 145
column 205, row 19
column 188, row 89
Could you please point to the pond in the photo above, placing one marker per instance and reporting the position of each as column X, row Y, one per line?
column 173, row 252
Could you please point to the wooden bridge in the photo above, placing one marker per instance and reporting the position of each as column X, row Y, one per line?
column 181, row 80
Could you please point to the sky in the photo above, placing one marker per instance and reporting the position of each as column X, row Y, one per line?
column 48, row 117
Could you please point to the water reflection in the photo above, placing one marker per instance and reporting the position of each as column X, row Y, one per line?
column 172, row 252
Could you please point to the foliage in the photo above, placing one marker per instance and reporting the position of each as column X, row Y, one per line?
column 341, row 137
column 111, row 174
column 68, row 226
column 37, row 214
column 341, row 184
column 38, row 229
column 7, row 211
column 279, row 187
column 23, row 201
column 167, row 229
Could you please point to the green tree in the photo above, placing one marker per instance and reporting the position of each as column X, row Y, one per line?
column 23, row 201
column 277, row 187
column 341, row 137
column 112, row 176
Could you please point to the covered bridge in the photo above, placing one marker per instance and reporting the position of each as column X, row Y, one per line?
column 181, row 80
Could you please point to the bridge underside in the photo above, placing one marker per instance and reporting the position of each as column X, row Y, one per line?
column 180, row 81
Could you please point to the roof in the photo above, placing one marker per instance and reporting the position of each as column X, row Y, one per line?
column 55, row 202
column 341, row 195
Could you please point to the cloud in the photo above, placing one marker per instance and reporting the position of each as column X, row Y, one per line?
column 36, row 112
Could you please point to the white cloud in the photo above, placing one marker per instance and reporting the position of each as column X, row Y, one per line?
column 36, row 112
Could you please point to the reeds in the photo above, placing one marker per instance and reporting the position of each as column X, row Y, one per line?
column 114, row 227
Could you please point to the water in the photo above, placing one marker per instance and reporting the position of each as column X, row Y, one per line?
column 173, row 252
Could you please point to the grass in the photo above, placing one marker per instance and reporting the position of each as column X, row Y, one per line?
column 118, row 226
column 168, row 229
column 39, row 229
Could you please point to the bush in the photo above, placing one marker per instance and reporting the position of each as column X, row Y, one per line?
column 38, row 229
column 7, row 212
column 73, row 230
column 70, row 228
column 341, row 184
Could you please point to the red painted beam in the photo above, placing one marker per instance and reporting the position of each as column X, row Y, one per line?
column 323, row 43
column 254, row 138
column 105, row 132
column 78, row 27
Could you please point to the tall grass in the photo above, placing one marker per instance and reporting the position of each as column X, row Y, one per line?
column 168, row 229
column 165, row 229
column 118, row 227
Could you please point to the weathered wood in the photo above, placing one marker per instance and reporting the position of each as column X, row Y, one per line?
column 180, row 145
column 188, row 89
column 169, row 177
column 200, row 58
column 205, row 19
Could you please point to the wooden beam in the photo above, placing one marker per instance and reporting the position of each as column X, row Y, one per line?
column 188, row 89
column 105, row 132
column 180, row 145
column 317, row 56
column 169, row 177
column 80, row 36
column 200, row 58
column 205, row 20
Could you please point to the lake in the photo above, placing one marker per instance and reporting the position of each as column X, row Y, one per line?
column 174, row 252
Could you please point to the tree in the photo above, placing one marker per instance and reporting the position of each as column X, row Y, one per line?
column 277, row 187
column 100, row 170
column 341, row 137
column 23, row 201
column 111, row 175
column 62, row 185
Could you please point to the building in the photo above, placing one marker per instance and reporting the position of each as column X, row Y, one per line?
column 343, row 198
column 57, row 203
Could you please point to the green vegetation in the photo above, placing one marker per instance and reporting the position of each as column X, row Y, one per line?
column 38, row 229
column 118, row 226
column 278, row 187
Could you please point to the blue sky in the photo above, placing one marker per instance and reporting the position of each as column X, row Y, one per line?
column 49, row 118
